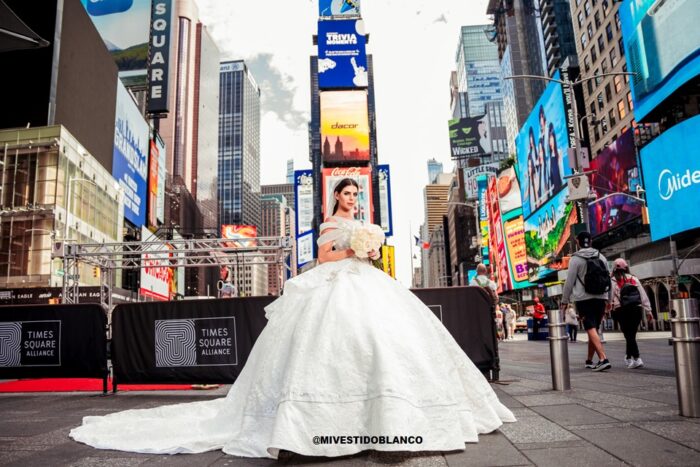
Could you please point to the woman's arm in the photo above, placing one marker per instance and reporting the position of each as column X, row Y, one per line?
column 326, row 253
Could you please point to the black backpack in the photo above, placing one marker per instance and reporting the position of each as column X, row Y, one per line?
column 629, row 294
column 596, row 281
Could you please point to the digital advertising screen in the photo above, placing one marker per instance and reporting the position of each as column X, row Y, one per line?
column 615, row 171
column 499, row 255
column 385, row 212
column 482, row 184
column 514, row 231
column 338, row 7
column 469, row 137
column 342, row 58
column 541, row 148
column 547, row 233
column 125, row 27
column 130, row 160
column 364, row 210
column 672, row 184
column 304, row 212
column 508, row 191
column 242, row 236
column 662, row 44
column 344, row 126
column 156, row 273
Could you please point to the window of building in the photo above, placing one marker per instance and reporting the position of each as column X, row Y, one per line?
column 608, row 92
column 594, row 55
column 621, row 109
column 604, row 64
column 617, row 20
column 589, row 85
column 586, row 63
column 621, row 47
column 611, row 118
column 596, row 18
column 596, row 133
column 613, row 57
column 601, row 103
column 590, row 31
column 584, row 40
column 629, row 101
column 609, row 32
column 606, row 5
column 587, row 7
column 627, row 77
column 618, row 83
column 604, row 126
column 592, row 108
column 580, row 19
column 598, row 79
column 601, row 44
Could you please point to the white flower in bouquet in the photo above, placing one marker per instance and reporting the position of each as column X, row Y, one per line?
column 365, row 239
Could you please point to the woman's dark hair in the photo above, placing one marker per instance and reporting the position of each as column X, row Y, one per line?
column 553, row 134
column 339, row 187
column 620, row 273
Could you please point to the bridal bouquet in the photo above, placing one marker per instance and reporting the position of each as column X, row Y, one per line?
column 365, row 239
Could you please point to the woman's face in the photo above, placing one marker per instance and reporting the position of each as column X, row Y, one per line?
column 552, row 143
column 347, row 198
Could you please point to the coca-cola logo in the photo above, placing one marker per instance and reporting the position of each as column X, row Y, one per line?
column 346, row 171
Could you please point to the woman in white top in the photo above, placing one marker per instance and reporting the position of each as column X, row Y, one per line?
column 348, row 352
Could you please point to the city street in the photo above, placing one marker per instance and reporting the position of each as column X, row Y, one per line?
column 618, row 417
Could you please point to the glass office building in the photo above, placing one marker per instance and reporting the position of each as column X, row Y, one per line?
column 239, row 146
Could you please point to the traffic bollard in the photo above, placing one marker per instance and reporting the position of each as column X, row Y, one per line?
column 685, row 331
column 558, row 351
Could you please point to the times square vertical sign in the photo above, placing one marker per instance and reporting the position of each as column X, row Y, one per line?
column 158, row 57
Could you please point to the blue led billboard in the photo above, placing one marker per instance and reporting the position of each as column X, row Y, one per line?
column 130, row 162
column 342, row 59
column 672, row 182
column 662, row 44
column 541, row 148
column 338, row 7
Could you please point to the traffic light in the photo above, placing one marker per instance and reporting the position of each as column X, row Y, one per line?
column 96, row 272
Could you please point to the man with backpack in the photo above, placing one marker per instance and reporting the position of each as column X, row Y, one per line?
column 629, row 301
column 589, row 287
column 482, row 280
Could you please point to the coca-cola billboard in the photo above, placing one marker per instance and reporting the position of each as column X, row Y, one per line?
column 363, row 176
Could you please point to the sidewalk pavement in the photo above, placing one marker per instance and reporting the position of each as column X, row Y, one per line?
column 617, row 417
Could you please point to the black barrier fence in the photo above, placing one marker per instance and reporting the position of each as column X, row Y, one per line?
column 467, row 313
column 191, row 341
column 53, row 341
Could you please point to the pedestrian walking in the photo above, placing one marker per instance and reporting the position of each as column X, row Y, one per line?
column 510, row 321
column 482, row 280
column 571, row 320
column 629, row 301
column 504, row 315
column 499, row 323
column 588, row 286
column 538, row 315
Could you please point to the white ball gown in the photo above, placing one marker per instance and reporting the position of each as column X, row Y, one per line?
column 347, row 351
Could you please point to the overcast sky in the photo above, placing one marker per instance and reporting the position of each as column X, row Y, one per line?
column 413, row 43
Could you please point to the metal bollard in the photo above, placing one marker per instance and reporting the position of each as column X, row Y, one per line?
column 685, row 329
column 558, row 351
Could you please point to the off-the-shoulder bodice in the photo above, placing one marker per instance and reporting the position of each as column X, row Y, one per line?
column 341, row 232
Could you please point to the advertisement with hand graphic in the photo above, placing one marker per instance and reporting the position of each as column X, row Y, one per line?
column 342, row 58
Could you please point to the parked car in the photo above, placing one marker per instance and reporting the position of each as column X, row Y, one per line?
column 521, row 324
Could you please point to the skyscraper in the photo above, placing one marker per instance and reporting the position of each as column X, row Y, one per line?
column 517, row 32
column 434, row 169
column 479, row 83
column 558, row 32
column 239, row 146
column 478, row 71
column 290, row 171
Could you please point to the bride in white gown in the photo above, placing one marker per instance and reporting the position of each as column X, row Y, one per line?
column 347, row 351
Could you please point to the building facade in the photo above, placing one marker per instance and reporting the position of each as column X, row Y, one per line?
column 608, row 100
column 436, row 258
column 517, row 32
column 239, row 146
column 558, row 33
column 434, row 169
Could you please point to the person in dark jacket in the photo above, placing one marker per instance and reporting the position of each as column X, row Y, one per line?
column 590, row 308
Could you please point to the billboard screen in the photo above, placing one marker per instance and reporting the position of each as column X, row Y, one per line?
column 363, row 175
column 673, row 183
column 124, row 28
column 547, row 233
column 243, row 236
column 344, row 126
column 342, row 58
column 385, row 214
column 469, row 137
column 662, row 43
column 156, row 182
column 541, row 148
column 156, row 274
column 514, row 231
column 130, row 160
column 509, row 191
column 482, row 192
column 304, row 212
column 338, row 7
column 472, row 173
column 499, row 256
column 615, row 172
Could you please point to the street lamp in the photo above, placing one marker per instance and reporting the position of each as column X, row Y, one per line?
column 68, row 202
column 577, row 135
